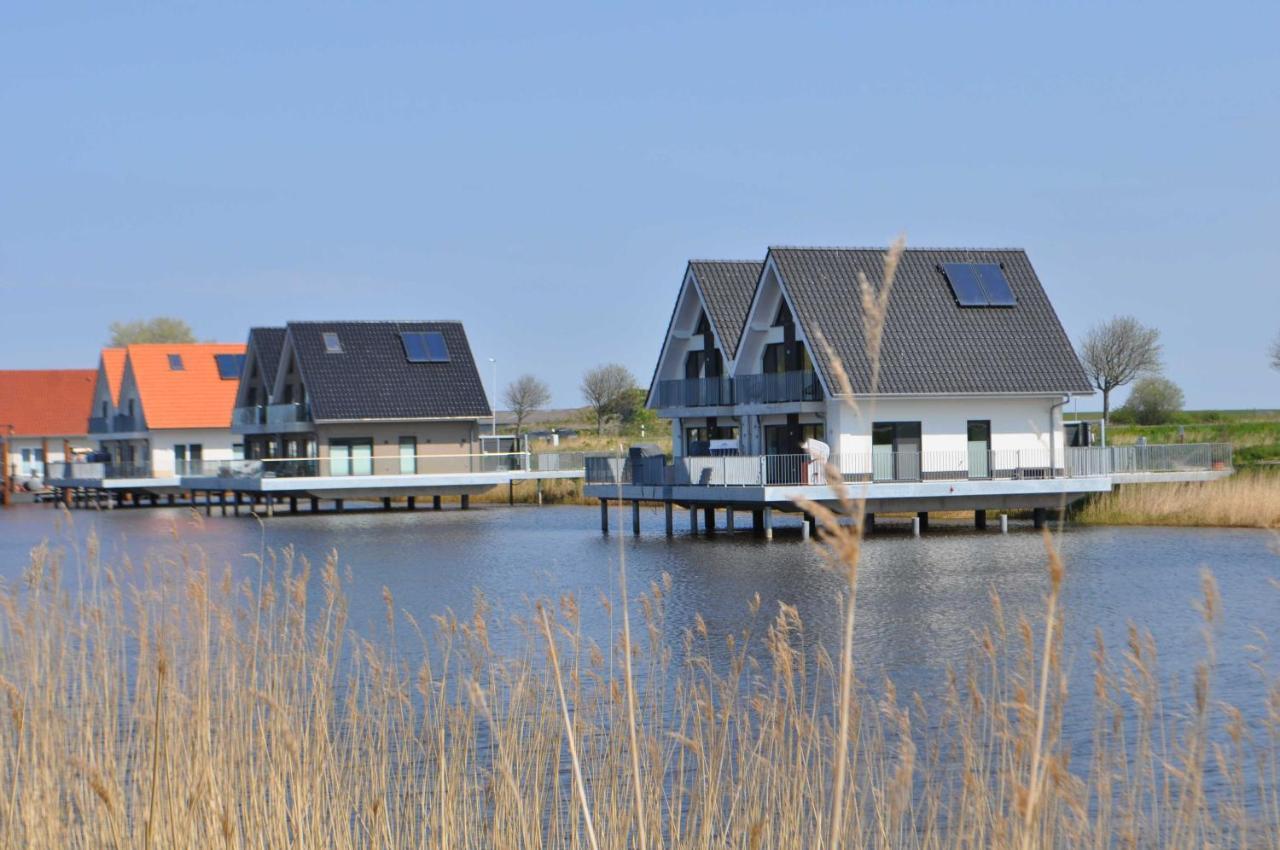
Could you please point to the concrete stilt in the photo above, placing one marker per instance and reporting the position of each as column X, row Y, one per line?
column 293, row 504
column 757, row 522
column 812, row 522
column 1038, row 517
column 208, row 503
column 868, row 523
column 435, row 503
column 604, row 516
column 635, row 516
column 222, row 502
column 170, row 498
column 915, row 526
column 979, row 520
column 537, row 484
column 466, row 501
column 154, row 499
column 1004, row 523
column 235, row 504
column 511, row 492
column 315, row 504
column 710, row 520
column 386, row 503
column 411, row 503
column 804, row 529
column 923, row 516
column 271, row 506
column 768, row 523
column 693, row 519
column 337, row 504
column 728, row 518
column 668, row 509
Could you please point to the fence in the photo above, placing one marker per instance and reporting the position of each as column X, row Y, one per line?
column 890, row 466
column 360, row 465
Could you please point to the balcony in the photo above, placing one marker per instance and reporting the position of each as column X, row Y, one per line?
column 771, row 388
column 288, row 414
column 265, row 418
column 99, row 424
column 255, row 415
column 124, row 423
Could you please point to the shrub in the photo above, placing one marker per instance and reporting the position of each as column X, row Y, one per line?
column 1154, row 401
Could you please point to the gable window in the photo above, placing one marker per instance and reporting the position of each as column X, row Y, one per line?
column 331, row 343
column 784, row 315
column 424, row 347
column 229, row 366
column 175, row 363
column 704, row 326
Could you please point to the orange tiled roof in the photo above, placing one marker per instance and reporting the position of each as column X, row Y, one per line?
column 46, row 402
column 192, row 397
column 113, row 365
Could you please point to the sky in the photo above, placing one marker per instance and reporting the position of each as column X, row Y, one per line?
column 543, row 172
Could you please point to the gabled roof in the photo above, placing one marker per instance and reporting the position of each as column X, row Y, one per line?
column 373, row 379
column 46, row 402
column 267, row 343
column 930, row 344
column 195, row 396
column 727, row 287
column 113, row 366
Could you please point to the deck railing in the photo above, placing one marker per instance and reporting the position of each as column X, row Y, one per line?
column 81, row 470
column 355, row 467
column 888, row 466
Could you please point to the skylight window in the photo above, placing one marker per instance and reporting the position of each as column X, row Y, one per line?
column 425, row 347
column 229, row 366
column 979, row 285
column 331, row 343
column 175, row 363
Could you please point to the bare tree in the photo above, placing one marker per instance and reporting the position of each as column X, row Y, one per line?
column 523, row 396
column 159, row 329
column 1275, row 354
column 603, row 387
column 1118, row 351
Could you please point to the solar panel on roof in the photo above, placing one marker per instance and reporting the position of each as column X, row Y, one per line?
column 965, row 285
column 996, row 285
column 425, row 347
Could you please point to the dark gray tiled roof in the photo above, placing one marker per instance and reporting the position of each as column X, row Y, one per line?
column 930, row 344
column 372, row 378
column 727, row 287
column 267, row 343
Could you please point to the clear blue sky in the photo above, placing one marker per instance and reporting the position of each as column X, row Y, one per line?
column 543, row 171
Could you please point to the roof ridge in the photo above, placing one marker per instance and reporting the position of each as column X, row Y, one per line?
column 374, row 322
column 886, row 248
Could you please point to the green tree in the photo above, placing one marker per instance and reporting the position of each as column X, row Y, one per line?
column 1154, row 400
column 159, row 329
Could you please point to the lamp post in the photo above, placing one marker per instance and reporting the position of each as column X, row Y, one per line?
column 494, row 362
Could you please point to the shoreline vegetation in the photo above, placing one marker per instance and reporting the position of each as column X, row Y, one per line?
column 167, row 704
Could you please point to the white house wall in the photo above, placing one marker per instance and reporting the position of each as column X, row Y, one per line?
column 215, row 445
column 1017, row 424
column 33, row 445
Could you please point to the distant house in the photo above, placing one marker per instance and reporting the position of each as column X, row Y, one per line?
column 974, row 368
column 360, row 398
column 160, row 410
column 39, row 409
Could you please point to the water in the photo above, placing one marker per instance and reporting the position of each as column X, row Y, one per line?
column 919, row 604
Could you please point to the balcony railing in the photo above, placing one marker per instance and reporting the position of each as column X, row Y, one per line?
column 255, row 415
column 889, row 466
column 78, row 470
column 288, row 414
column 99, row 424
column 123, row 423
column 769, row 388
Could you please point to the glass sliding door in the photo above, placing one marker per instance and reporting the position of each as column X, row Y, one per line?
column 362, row 458
column 339, row 459
column 979, row 449
column 408, row 455
column 895, row 451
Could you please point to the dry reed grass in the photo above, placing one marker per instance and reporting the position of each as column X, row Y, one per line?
column 1245, row 500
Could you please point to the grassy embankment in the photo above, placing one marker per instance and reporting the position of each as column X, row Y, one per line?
column 167, row 705
column 1249, row 499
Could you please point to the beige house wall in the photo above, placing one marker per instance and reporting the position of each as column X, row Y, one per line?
column 442, row 446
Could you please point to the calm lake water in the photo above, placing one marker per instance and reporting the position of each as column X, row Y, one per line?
column 920, row 601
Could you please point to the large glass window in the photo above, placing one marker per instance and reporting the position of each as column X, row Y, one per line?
column 895, row 451
column 979, row 448
column 351, row 457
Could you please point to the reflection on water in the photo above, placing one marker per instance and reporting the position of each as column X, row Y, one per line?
column 919, row 603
